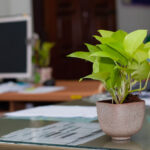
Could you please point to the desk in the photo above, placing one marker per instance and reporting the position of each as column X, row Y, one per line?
column 140, row 141
column 74, row 90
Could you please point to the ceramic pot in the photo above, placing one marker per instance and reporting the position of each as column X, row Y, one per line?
column 45, row 74
column 120, row 121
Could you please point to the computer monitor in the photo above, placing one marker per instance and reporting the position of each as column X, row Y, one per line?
column 15, row 50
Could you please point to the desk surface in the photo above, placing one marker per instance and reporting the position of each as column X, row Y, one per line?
column 74, row 90
column 140, row 141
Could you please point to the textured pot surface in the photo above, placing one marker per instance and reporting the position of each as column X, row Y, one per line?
column 121, row 121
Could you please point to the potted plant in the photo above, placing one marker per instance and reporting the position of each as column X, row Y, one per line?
column 41, row 58
column 119, row 62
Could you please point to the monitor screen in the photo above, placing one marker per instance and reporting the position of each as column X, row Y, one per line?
column 15, row 58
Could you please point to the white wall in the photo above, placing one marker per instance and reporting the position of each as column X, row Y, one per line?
column 15, row 7
column 4, row 7
column 131, row 17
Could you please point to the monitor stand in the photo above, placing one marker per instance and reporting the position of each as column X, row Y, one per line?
column 9, row 80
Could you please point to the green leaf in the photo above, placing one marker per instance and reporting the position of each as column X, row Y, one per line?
column 140, row 55
column 96, row 65
column 42, row 52
column 92, row 48
column 149, row 54
column 105, row 33
column 104, row 40
column 141, row 71
column 106, row 65
column 125, row 69
column 47, row 46
column 108, row 84
column 119, row 35
column 82, row 55
column 113, row 54
column 115, row 78
column 119, row 47
column 108, row 36
column 97, row 76
column 33, row 59
column 133, row 40
column 104, row 54
column 115, row 42
column 37, row 77
column 147, row 45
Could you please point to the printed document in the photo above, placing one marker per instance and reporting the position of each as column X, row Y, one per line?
column 64, row 133
column 57, row 111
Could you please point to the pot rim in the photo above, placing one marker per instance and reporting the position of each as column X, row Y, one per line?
column 106, row 102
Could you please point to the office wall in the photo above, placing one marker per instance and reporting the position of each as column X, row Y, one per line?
column 131, row 17
column 15, row 7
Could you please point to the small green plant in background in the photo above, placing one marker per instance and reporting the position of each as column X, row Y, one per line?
column 41, row 56
column 119, row 61
column 37, row 78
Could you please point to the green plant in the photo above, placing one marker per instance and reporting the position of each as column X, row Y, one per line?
column 41, row 56
column 119, row 61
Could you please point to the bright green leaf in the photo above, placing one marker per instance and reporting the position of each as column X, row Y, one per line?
column 147, row 45
column 140, row 55
column 105, row 33
column 98, row 76
column 96, row 65
column 114, row 54
column 82, row 55
column 37, row 77
column 149, row 54
column 133, row 40
column 104, row 40
column 142, row 71
column 119, row 47
column 115, row 77
column 106, row 65
column 92, row 48
column 124, row 69
column 119, row 35
column 108, row 84
column 104, row 54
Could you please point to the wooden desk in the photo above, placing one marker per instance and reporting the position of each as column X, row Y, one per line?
column 74, row 90
column 139, row 141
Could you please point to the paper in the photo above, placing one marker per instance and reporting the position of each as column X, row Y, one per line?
column 57, row 111
column 27, row 88
column 13, row 87
column 64, row 133
column 43, row 89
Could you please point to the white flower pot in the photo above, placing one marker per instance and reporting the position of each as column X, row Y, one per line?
column 45, row 74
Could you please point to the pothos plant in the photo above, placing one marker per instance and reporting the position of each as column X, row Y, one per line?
column 41, row 55
column 119, row 61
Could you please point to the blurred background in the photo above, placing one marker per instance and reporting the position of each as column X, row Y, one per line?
column 71, row 23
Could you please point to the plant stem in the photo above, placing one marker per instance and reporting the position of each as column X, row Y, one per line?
column 140, row 85
column 130, row 82
column 124, row 98
column 137, row 90
column 114, row 97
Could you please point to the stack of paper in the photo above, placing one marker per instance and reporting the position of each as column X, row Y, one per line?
column 27, row 88
column 66, row 133
column 43, row 89
column 57, row 112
